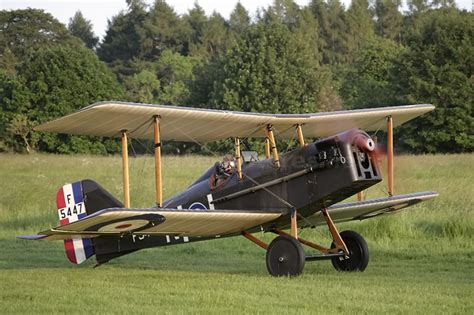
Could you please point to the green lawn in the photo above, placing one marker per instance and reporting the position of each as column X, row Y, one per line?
column 421, row 260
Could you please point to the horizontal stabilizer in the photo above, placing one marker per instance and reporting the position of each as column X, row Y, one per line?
column 32, row 237
column 361, row 210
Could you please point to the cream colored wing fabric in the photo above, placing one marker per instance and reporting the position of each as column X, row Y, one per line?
column 202, row 125
column 366, row 209
column 160, row 222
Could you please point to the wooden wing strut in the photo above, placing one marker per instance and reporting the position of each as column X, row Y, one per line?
column 157, row 141
column 126, row 186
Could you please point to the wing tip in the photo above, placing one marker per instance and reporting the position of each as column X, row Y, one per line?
column 31, row 237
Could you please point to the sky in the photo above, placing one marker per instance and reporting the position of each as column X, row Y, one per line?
column 100, row 11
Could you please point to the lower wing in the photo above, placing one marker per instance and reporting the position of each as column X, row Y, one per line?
column 361, row 210
column 185, row 222
column 191, row 222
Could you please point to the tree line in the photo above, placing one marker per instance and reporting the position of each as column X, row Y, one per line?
column 282, row 59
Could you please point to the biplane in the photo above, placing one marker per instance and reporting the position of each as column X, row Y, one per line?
column 279, row 193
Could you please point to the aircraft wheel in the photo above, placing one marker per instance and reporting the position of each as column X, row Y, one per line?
column 358, row 253
column 285, row 257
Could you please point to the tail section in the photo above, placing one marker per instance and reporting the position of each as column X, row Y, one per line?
column 71, row 207
column 79, row 199
column 74, row 202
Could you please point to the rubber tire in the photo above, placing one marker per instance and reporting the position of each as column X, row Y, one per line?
column 358, row 253
column 285, row 257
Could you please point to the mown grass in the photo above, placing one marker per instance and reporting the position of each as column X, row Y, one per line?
column 421, row 259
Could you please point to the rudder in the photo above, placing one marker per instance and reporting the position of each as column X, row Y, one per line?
column 71, row 207
column 74, row 202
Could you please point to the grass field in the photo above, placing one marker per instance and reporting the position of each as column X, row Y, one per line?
column 421, row 260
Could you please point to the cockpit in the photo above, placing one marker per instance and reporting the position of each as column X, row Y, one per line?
column 222, row 171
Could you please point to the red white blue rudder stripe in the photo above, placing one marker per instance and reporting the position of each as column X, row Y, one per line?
column 71, row 207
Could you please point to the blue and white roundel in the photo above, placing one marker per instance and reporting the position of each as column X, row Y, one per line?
column 197, row 206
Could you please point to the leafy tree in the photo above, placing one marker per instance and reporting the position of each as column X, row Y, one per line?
column 162, row 30
column 360, row 24
column 389, row 19
column 206, row 86
column 143, row 87
column 369, row 81
column 285, row 11
column 444, row 3
column 306, row 32
column 25, row 31
column 195, row 22
column 437, row 68
column 268, row 72
column 55, row 82
column 330, row 16
column 214, row 39
column 420, row 6
column 19, row 126
column 175, row 73
column 81, row 28
column 14, row 101
column 239, row 20
column 125, row 31
column 8, row 62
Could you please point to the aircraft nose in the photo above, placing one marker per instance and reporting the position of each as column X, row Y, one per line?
column 365, row 143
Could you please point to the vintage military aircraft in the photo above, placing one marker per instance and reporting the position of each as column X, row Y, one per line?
column 302, row 188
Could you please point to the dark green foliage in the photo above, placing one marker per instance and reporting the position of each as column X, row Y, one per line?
column 214, row 39
column 81, row 28
column 25, row 31
column 206, row 86
column 239, row 20
column 437, row 68
column 196, row 19
column 369, row 81
column 285, row 59
column 333, row 29
column 62, row 80
column 142, row 87
column 162, row 30
column 15, row 103
column 360, row 25
column 123, row 37
column 176, row 74
column 389, row 19
column 269, row 71
column 55, row 82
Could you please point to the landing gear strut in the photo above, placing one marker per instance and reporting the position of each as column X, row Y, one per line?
column 285, row 255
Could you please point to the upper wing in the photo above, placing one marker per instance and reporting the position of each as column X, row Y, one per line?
column 194, row 124
column 361, row 210
column 187, row 222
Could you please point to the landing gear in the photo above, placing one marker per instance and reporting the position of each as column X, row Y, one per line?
column 285, row 257
column 358, row 257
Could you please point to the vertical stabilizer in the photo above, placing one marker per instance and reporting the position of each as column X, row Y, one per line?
column 71, row 207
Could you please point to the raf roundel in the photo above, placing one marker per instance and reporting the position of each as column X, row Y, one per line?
column 197, row 206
